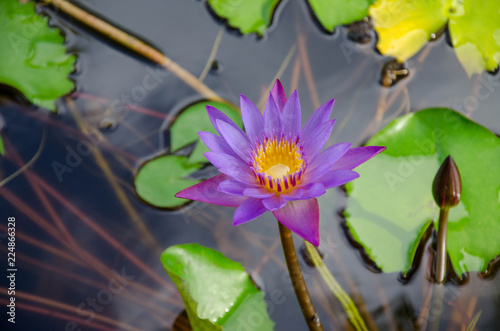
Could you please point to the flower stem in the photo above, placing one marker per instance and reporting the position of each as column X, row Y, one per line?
column 299, row 285
column 441, row 245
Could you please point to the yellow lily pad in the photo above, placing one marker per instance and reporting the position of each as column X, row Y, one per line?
column 475, row 34
column 404, row 27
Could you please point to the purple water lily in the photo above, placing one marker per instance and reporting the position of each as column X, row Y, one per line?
column 276, row 166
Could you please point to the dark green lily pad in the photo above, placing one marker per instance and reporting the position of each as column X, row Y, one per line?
column 217, row 292
column 247, row 16
column 332, row 13
column 193, row 119
column 159, row 179
column 475, row 33
column 33, row 58
column 391, row 204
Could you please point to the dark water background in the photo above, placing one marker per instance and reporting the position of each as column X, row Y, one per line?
column 185, row 31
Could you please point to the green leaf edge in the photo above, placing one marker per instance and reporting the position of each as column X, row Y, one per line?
column 181, row 201
column 331, row 27
column 449, row 17
column 260, row 30
column 374, row 141
column 223, row 261
column 50, row 102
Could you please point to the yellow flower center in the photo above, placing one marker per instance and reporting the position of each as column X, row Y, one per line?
column 278, row 164
column 278, row 170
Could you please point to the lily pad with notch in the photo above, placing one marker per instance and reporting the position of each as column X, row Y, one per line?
column 404, row 27
column 33, row 58
column 255, row 16
column 332, row 13
column 475, row 34
column 193, row 119
column 391, row 205
column 246, row 16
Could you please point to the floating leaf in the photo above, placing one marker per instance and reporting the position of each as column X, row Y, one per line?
column 159, row 179
column 331, row 13
column 247, row 16
column 2, row 148
column 404, row 27
column 33, row 58
column 475, row 34
column 184, row 130
column 217, row 292
column 391, row 204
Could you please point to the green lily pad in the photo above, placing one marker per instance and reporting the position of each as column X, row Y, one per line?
column 391, row 204
column 218, row 293
column 331, row 13
column 33, row 58
column 475, row 33
column 2, row 148
column 404, row 27
column 247, row 16
column 193, row 119
column 159, row 179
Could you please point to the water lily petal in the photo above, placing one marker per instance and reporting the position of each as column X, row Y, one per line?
column 206, row 191
column 215, row 143
column 302, row 217
column 294, row 194
column 233, row 187
column 238, row 141
column 313, row 190
column 323, row 162
column 272, row 118
column 279, row 95
column 356, row 156
column 274, row 202
column 291, row 116
column 214, row 114
column 231, row 166
column 248, row 210
column 257, row 192
column 320, row 116
column 252, row 119
column 338, row 177
column 317, row 140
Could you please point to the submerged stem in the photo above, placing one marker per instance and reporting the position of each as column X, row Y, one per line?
column 350, row 308
column 441, row 245
column 299, row 285
column 134, row 44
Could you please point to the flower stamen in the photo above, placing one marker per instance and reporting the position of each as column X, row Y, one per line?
column 278, row 164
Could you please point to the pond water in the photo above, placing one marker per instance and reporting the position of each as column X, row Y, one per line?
column 77, row 229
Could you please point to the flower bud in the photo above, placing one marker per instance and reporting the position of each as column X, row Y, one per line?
column 447, row 185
